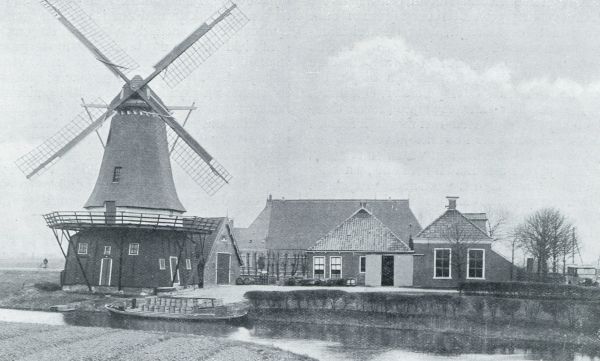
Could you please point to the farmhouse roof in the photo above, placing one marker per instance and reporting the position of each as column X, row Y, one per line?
column 361, row 232
column 298, row 224
column 452, row 217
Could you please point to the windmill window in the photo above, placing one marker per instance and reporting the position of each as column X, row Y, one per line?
column 134, row 249
column 82, row 248
column 116, row 175
column 363, row 264
column 162, row 264
column 188, row 263
column 107, row 250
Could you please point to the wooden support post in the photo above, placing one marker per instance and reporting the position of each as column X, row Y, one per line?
column 178, row 262
column 92, row 120
column 184, row 122
column 87, row 282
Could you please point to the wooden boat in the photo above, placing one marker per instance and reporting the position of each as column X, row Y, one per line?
column 179, row 308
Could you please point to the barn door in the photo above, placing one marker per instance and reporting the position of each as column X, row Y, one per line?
column 223, row 264
column 105, row 271
column 174, row 268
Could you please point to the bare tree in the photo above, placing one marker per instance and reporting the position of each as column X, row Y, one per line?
column 461, row 236
column 546, row 235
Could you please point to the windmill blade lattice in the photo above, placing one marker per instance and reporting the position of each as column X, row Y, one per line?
column 209, row 176
column 215, row 32
column 89, row 29
column 29, row 163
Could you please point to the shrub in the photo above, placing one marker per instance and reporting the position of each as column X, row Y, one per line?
column 47, row 286
column 239, row 281
column 509, row 307
column 290, row 281
column 249, row 281
column 532, row 290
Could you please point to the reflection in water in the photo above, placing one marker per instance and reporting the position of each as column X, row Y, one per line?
column 331, row 342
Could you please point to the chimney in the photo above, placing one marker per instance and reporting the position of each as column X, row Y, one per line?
column 451, row 202
column 270, row 198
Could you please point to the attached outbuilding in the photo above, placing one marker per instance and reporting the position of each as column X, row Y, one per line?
column 365, row 249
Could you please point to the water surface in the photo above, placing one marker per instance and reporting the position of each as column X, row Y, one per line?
column 327, row 342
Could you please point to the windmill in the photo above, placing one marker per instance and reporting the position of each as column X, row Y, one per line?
column 135, row 174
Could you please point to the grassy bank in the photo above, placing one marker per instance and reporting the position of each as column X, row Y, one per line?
column 32, row 290
column 60, row 343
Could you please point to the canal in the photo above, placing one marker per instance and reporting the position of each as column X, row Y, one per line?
column 327, row 342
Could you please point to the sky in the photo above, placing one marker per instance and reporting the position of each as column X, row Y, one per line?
column 494, row 102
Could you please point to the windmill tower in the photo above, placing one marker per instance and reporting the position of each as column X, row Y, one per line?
column 133, row 226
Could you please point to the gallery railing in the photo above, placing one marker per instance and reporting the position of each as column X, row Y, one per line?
column 77, row 221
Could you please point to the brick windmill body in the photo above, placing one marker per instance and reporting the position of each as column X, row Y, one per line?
column 133, row 235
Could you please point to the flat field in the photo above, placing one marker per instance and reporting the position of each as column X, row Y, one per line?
column 17, row 291
column 60, row 343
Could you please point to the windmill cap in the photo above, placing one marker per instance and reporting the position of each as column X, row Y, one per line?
column 136, row 82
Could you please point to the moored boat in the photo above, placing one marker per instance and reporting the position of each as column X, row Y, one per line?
column 179, row 308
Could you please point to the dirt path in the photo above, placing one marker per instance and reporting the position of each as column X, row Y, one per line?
column 61, row 343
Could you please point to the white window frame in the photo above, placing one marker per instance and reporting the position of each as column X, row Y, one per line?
column 109, row 249
column 314, row 259
column 162, row 264
column 131, row 246
column 331, row 264
column 79, row 246
column 482, row 265
column 449, row 263
column 360, row 260
column 188, row 263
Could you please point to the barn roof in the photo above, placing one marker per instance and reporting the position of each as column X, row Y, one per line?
column 298, row 224
column 361, row 232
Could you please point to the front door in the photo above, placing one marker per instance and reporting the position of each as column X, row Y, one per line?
column 387, row 270
column 105, row 271
column 223, row 264
column 174, row 270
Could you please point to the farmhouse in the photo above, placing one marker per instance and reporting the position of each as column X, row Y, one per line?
column 456, row 247
column 287, row 228
column 374, row 242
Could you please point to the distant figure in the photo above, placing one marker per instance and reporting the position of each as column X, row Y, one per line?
column 45, row 263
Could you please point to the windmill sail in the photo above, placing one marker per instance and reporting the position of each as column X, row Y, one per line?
column 47, row 153
column 89, row 33
column 201, row 44
column 209, row 174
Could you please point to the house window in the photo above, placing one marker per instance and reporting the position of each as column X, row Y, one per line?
column 134, row 249
column 318, row 267
column 161, row 264
column 476, row 264
column 441, row 260
column 335, row 267
column 107, row 250
column 116, row 175
column 362, row 264
column 82, row 248
column 188, row 263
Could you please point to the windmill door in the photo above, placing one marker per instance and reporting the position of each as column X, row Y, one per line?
column 174, row 270
column 387, row 270
column 223, row 265
column 105, row 271
column 110, row 211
